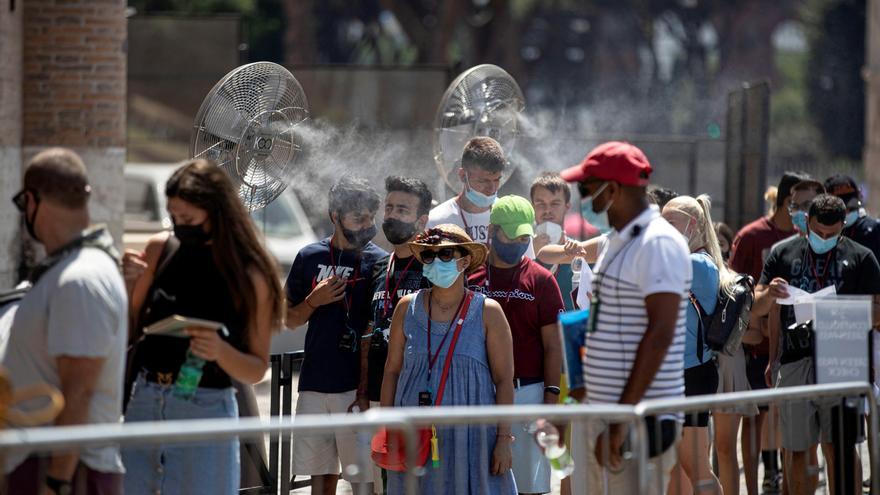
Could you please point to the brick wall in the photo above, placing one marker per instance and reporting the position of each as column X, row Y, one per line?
column 10, row 137
column 74, row 73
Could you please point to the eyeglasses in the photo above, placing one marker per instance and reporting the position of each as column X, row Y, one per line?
column 805, row 206
column 20, row 199
column 445, row 254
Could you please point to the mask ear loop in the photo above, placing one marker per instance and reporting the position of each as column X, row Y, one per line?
column 598, row 191
column 687, row 233
column 465, row 267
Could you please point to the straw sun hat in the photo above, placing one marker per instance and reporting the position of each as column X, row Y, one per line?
column 449, row 235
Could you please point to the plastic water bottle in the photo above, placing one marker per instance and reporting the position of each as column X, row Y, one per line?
column 547, row 437
column 577, row 264
column 189, row 376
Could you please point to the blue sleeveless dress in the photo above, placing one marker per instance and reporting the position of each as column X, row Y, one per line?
column 465, row 451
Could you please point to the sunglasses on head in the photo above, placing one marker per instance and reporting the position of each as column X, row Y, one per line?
column 445, row 254
column 20, row 199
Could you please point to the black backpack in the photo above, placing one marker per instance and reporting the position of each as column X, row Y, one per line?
column 723, row 330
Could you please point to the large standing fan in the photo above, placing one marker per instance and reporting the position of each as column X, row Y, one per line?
column 482, row 101
column 246, row 124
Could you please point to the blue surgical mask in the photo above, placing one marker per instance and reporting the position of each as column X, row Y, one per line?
column 851, row 218
column 442, row 273
column 820, row 245
column 799, row 219
column 600, row 219
column 509, row 252
column 479, row 199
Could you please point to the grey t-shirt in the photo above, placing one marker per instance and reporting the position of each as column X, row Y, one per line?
column 78, row 308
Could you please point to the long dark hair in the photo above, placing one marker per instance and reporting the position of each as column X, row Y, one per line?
column 236, row 244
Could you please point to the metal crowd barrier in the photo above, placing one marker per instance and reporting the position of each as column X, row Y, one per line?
column 280, row 405
column 282, row 426
column 201, row 431
column 779, row 397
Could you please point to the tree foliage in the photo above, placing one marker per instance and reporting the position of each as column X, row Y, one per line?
column 835, row 86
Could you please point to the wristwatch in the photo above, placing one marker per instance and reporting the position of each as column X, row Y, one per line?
column 552, row 389
column 59, row 487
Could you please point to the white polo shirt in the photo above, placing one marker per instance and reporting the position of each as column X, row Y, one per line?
column 648, row 256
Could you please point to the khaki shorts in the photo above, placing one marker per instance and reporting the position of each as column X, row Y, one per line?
column 315, row 455
column 804, row 423
column 605, row 482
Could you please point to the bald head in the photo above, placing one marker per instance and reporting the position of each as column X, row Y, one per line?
column 58, row 175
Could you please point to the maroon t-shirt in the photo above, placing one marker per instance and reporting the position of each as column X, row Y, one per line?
column 530, row 298
column 752, row 245
column 750, row 248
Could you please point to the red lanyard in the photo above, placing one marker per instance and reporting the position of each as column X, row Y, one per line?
column 825, row 272
column 346, row 300
column 390, row 297
column 461, row 214
column 459, row 318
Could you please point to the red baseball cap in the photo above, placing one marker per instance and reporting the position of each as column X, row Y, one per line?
column 615, row 160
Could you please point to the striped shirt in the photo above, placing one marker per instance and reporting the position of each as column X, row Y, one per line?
column 646, row 257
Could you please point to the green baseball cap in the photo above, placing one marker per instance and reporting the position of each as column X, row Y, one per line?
column 514, row 214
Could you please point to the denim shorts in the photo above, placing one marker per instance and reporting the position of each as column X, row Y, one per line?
column 207, row 467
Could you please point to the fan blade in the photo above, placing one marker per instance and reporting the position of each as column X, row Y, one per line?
column 223, row 120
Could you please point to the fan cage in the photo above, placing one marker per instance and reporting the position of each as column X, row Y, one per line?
column 247, row 125
column 485, row 92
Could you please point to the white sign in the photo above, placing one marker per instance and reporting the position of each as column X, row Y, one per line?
column 841, row 328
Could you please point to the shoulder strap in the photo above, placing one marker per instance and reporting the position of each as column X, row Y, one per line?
column 93, row 238
column 168, row 250
column 700, row 324
column 448, row 362
column 172, row 244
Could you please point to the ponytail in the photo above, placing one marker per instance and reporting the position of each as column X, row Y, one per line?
column 700, row 209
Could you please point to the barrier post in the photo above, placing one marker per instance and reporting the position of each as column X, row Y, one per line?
column 641, row 430
column 286, row 400
column 274, row 411
column 873, row 431
column 845, row 418
column 411, row 481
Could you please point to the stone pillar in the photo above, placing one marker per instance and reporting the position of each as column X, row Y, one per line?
column 74, row 87
column 871, row 154
column 10, row 137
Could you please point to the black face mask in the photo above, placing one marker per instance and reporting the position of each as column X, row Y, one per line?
column 191, row 235
column 398, row 231
column 30, row 225
column 359, row 238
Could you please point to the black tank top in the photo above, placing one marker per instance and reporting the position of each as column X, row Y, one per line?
column 191, row 286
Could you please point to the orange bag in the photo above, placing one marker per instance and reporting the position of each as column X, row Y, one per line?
column 389, row 448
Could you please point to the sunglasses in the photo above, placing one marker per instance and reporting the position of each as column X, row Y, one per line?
column 20, row 199
column 445, row 254
column 584, row 189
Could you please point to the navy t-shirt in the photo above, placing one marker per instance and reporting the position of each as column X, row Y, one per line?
column 326, row 368
column 406, row 278
column 866, row 231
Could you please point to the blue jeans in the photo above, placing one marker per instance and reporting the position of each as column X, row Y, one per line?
column 184, row 469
